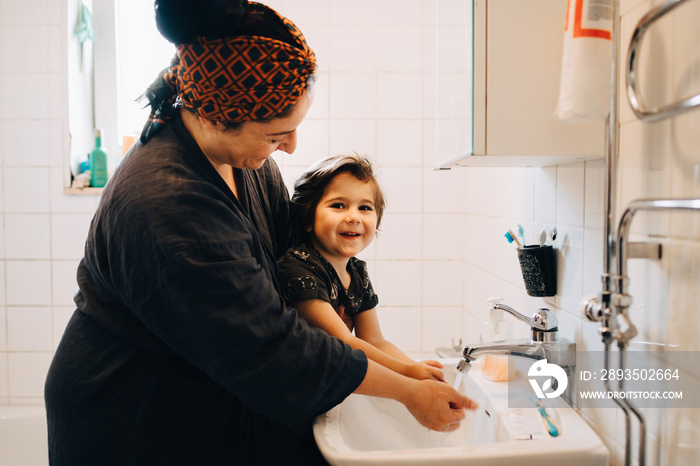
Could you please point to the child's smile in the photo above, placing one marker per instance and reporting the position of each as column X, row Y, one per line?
column 346, row 219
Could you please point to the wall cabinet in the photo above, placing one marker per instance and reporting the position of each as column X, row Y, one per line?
column 516, row 65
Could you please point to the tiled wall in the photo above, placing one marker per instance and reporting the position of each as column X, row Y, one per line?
column 441, row 251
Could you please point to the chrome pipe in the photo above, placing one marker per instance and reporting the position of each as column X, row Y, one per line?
column 626, row 221
column 635, row 99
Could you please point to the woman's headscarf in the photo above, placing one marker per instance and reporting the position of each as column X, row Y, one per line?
column 233, row 79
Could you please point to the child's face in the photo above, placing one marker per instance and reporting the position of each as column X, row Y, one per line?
column 346, row 219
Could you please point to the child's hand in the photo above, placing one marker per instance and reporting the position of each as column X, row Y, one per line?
column 433, row 363
column 425, row 370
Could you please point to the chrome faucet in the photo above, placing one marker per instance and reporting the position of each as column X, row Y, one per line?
column 544, row 343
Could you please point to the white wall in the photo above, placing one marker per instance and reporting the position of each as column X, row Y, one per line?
column 441, row 251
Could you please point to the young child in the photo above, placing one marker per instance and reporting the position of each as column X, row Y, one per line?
column 337, row 207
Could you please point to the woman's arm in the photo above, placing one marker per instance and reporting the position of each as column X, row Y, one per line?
column 320, row 314
column 435, row 405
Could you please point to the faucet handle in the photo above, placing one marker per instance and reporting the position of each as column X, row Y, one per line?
column 544, row 319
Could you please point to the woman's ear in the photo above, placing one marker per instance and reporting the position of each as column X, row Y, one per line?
column 208, row 125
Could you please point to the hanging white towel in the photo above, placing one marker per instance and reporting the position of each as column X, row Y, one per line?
column 584, row 90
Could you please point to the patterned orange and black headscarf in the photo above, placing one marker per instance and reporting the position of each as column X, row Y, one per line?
column 233, row 79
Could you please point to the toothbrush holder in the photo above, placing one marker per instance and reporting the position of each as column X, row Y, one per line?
column 539, row 267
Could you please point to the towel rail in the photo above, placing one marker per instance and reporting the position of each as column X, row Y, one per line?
column 635, row 99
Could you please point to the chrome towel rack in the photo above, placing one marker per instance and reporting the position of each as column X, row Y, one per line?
column 635, row 99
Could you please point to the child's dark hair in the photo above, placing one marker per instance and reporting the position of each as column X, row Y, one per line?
column 311, row 185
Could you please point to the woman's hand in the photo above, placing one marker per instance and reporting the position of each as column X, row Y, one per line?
column 425, row 370
column 434, row 404
column 437, row 406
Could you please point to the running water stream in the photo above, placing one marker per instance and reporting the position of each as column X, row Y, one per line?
column 435, row 439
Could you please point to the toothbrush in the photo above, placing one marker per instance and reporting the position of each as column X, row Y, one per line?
column 551, row 428
column 510, row 236
column 521, row 232
column 548, row 423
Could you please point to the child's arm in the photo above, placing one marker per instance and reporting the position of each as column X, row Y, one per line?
column 320, row 314
column 368, row 329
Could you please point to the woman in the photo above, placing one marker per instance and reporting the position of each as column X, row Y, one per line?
column 181, row 350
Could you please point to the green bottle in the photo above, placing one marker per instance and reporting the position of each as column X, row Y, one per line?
column 98, row 163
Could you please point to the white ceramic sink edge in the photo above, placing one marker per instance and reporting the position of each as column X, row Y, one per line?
column 372, row 431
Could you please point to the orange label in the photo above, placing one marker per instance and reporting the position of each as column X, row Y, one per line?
column 592, row 18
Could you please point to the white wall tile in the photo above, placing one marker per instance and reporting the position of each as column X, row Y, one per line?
column 316, row 36
column 399, row 48
column 64, row 281
column 25, row 143
column 68, row 234
column 398, row 283
column 545, row 195
column 26, row 12
column 570, row 196
column 53, row 12
column 348, row 136
column 352, row 95
column 54, row 101
column 400, row 237
column 399, row 143
column 27, row 373
column 443, row 237
column 27, row 236
column 32, row 56
column 320, row 107
column 442, row 283
column 55, row 141
column 4, row 379
column 61, row 316
column 401, row 326
column 569, row 249
column 430, row 159
column 26, row 190
column 399, row 95
column 312, row 144
column 2, row 241
column 593, row 252
column 356, row 12
column 63, row 203
column 28, row 283
column 3, row 328
column 400, row 11
column 444, row 191
column 594, row 208
column 354, row 48
column 402, row 188
column 29, row 328
column 25, row 96
column 440, row 326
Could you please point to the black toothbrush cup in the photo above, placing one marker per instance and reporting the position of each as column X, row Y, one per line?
column 539, row 269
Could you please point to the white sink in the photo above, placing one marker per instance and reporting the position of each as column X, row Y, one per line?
column 365, row 430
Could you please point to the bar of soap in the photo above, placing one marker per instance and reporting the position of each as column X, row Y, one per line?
column 498, row 368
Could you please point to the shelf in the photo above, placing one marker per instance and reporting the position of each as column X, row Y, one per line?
column 82, row 191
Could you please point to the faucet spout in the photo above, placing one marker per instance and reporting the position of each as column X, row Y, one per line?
column 561, row 351
column 544, row 344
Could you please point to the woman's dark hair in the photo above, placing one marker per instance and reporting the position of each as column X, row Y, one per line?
column 311, row 185
column 181, row 21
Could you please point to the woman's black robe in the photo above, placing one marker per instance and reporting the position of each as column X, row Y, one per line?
column 181, row 350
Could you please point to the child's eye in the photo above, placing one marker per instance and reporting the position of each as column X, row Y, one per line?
column 366, row 207
column 337, row 205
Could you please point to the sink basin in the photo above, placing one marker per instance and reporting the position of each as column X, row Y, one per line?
column 365, row 430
